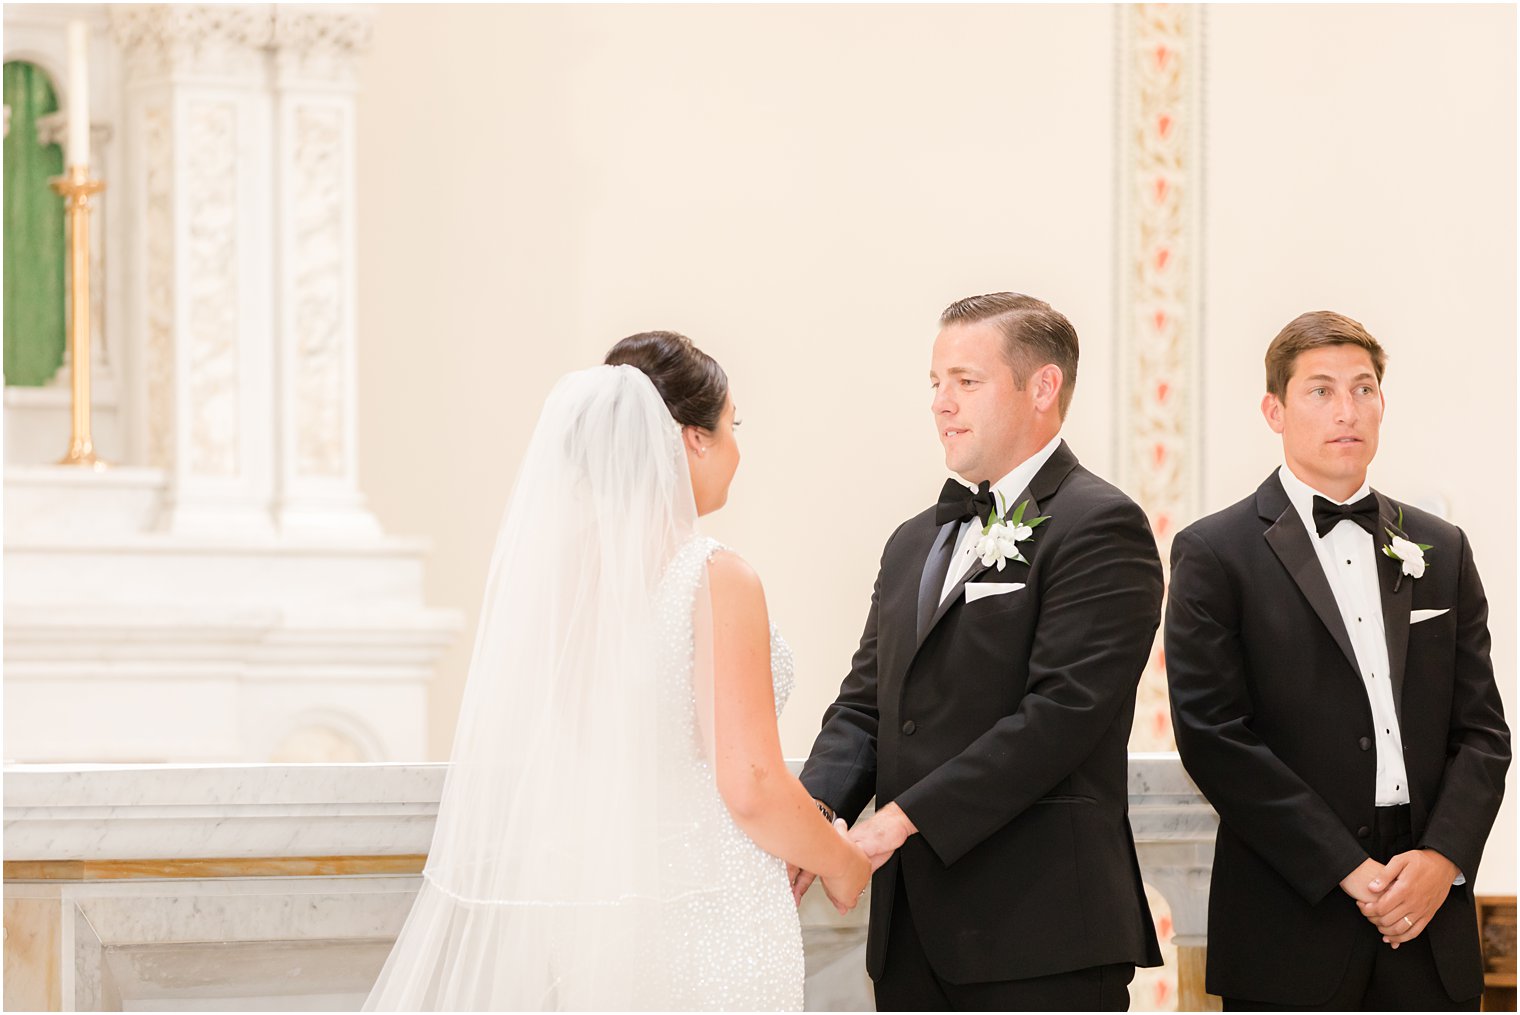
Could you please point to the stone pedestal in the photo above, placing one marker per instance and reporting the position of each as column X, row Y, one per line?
column 1174, row 835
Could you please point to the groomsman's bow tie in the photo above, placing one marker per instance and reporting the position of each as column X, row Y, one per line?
column 1327, row 515
column 958, row 504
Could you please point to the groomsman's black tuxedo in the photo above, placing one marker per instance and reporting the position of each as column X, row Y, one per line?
column 1274, row 725
column 1000, row 727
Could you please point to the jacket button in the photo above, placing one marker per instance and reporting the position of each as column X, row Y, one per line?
column 909, row 727
column 1365, row 744
column 1363, row 832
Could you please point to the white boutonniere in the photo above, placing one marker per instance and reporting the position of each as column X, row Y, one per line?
column 1409, row 554
column 1001, row 536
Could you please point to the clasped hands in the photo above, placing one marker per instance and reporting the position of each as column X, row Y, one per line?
column 1399, row 898
column 879, row 836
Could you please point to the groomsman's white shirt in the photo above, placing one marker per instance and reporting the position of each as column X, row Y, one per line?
column 1009, row 487
column 1348, row 555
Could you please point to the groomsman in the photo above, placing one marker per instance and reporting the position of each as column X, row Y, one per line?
column 1328, row 654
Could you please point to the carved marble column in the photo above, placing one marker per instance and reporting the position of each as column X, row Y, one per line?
column 200, row 198
column 315, row 50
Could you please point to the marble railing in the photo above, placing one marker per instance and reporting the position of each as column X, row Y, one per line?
column 280, row 887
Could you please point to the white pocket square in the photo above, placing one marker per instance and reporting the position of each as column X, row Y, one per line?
column 981, row 590
column 1415, row 616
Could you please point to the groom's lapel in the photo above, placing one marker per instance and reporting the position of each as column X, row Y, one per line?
column 1041, row 488
column 1395, row 604
column 936, row 566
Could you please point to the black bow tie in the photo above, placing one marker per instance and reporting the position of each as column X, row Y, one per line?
column 958, row 504
column 1327, row 515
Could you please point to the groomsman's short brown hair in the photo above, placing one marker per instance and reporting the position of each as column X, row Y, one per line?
column 1315, row 330
column 1034, row 334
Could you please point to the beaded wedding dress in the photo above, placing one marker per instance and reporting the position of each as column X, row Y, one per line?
column 742, row 949
column 582, row 857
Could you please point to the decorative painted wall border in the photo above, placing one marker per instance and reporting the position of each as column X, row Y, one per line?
column 1159, row 297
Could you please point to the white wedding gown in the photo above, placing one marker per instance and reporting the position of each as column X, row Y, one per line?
column 741, row 943
column 582, row 858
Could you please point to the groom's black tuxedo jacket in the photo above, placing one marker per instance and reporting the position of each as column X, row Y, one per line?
column 1001, row 729
column 1273, row 723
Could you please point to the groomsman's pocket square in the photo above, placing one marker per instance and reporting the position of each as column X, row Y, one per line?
column 1415, row 616
column 981, row 590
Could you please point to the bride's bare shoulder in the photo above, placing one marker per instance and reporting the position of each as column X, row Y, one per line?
column 734, row 582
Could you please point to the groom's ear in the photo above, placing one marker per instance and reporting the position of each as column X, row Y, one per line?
column 1272, row 411
column 1047, row 382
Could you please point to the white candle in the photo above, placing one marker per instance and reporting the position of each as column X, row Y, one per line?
column 79, row 94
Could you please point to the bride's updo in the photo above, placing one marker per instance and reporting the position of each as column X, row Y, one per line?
column 692, row 384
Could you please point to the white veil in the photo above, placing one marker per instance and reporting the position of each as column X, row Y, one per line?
column 562, row 854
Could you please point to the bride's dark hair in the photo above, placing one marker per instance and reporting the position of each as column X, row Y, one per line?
column 692, row 384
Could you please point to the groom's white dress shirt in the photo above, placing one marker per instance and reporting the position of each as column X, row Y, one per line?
column 1006, row 489
column 1348, row 555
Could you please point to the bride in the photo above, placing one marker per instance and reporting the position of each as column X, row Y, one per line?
column 617, row 820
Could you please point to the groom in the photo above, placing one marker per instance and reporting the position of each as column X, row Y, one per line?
column 989, row 705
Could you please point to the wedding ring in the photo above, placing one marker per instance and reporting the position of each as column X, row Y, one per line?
column 1409, row 921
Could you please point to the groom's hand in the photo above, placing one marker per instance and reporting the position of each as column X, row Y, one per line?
column 802, row 880
column 882, row 833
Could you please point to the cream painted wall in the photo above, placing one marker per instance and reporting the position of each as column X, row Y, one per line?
column 799, row 190
column 1362, row 159
column 802, row 189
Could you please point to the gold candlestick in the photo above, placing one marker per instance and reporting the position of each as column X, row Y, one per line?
column 77, row 187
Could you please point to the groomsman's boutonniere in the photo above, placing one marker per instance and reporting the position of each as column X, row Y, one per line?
column 1001, row 536
column 1409, row 554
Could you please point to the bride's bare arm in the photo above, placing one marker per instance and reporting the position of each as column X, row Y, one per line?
column 764, row 798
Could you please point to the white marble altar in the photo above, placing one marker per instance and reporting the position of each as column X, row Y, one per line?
column 118, row 812
column 185, row 887
column 223, row 593
column 280, row 887
column 127, row 643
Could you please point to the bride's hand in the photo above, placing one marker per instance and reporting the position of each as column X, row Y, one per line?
column 846, row 888
column 801, row 881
